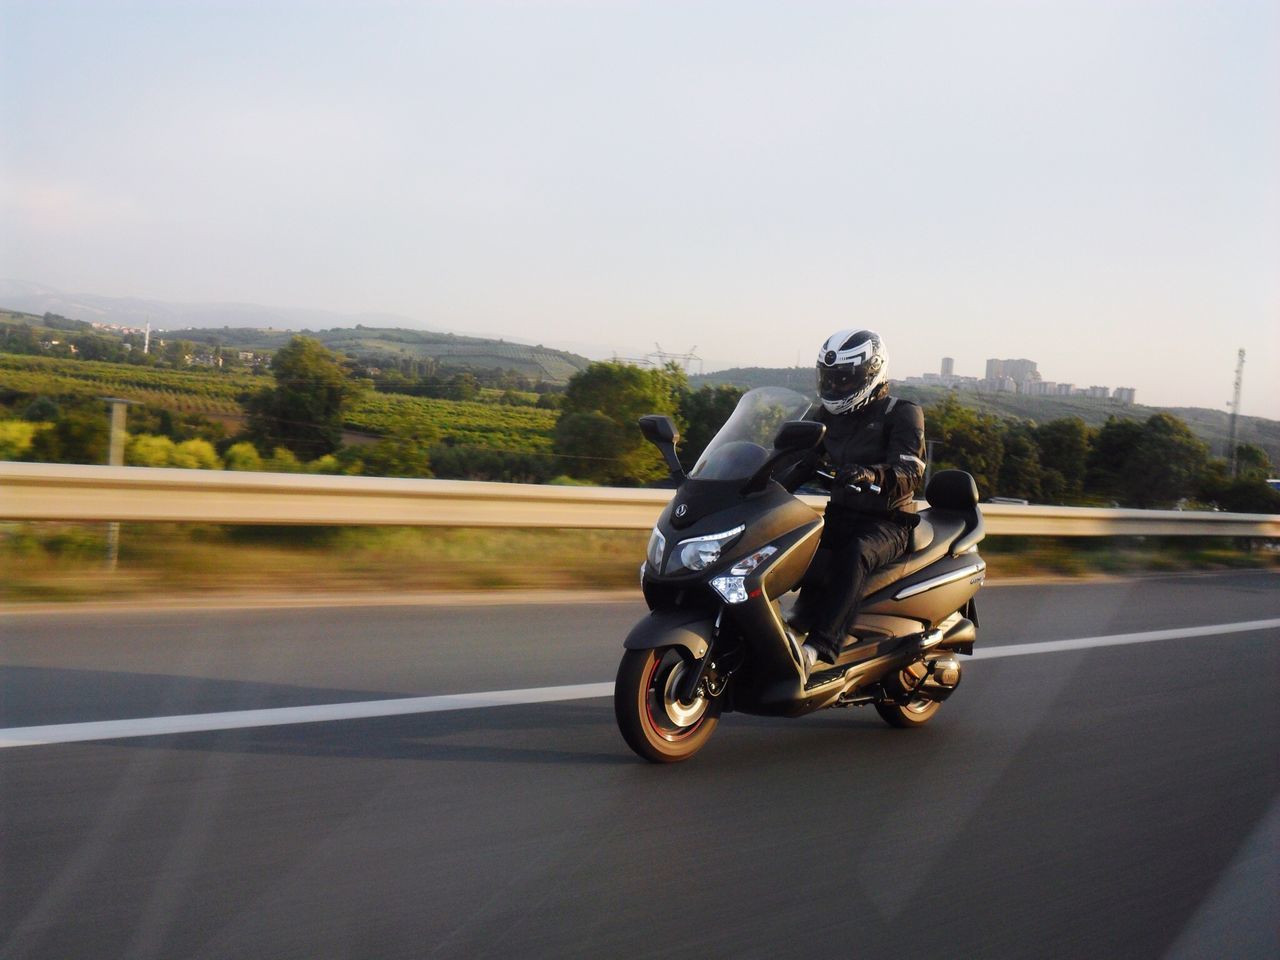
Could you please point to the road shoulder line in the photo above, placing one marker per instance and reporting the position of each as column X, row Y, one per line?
column 366, row 709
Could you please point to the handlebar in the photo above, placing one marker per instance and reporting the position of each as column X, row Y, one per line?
column 875, row 488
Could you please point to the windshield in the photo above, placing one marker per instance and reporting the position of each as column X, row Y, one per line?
column 746, row 439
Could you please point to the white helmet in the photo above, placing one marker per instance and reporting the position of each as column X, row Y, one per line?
column 851, row 366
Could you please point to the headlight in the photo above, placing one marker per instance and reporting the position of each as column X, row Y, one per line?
column 698, row 553
column 657, row 547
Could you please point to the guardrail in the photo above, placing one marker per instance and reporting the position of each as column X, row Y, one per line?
column 68, row 492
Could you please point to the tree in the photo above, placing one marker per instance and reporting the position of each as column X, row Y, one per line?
column 462, row 386
column 405, row 452
column 78, row 435
column 147, row 450
column 967, row 441
column 1109, row 456
column 1252, row 462
column 1164, row 465
column 1020, row 470
column 481, row 463
column 1245, row 495
column 17, row 437
column 42, row 410
column 242, row 456
column 304, row 411
column 704, row 412
column 597, row 432
column 19, row 338
column 1064, row 456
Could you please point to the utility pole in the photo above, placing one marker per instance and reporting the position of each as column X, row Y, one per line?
column 1232, row 458
column 115, row 458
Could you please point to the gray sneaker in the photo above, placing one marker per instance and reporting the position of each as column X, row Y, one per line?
column 804, row 654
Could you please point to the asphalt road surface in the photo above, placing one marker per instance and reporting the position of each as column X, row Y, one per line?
column 1107, row 802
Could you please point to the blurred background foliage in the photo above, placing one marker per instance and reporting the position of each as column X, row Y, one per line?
column 319, row 411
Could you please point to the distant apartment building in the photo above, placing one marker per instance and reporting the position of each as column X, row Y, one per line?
column 1125, row 395
column 1097, row 393
column 1019, row 371
column 1064, row 389
column 1040, row 388
column 948, row 368
column 997, row 385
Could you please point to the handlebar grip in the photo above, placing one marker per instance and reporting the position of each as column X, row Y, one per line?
column 857, row 489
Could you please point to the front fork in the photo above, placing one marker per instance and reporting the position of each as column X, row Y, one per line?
column 704, row 669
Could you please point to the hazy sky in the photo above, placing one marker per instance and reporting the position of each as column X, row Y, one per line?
column 1093, row 185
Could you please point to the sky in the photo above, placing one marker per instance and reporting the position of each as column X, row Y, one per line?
column 1091, row 185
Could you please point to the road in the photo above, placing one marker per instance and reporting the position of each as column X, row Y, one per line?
column 1117, row 801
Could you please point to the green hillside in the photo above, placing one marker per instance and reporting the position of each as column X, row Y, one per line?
column 387, row 345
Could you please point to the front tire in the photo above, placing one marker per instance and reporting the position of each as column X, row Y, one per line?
column 656, row 723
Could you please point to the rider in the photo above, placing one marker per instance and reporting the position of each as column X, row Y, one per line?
column 875, row 444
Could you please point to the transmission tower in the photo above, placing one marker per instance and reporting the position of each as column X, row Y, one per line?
column 1235, row 412
column 660, row 357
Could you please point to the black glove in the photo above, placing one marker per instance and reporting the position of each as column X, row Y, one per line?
column 855, row 475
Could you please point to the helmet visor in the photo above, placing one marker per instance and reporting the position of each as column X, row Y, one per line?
column 842, row 380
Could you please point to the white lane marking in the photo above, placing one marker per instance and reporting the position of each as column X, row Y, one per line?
column 1117, row 639
column 277, row 716
column 326, row 712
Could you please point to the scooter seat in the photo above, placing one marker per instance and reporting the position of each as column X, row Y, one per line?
column 931, row 540
column 921, row 536
column 943, row 527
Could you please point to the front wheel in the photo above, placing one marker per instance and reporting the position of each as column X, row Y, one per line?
column 654, row 721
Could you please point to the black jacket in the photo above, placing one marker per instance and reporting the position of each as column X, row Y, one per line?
column 887, row 436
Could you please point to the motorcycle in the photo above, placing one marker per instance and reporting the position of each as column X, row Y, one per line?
column 719, row 575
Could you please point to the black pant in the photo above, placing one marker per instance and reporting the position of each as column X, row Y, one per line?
column 859, row 544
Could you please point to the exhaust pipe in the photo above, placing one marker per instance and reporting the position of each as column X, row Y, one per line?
column 942, row 678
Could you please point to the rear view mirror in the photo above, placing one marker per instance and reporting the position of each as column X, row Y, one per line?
column 659, row 430
column 799, row 435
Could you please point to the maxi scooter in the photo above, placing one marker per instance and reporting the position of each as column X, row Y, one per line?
column 722, row 562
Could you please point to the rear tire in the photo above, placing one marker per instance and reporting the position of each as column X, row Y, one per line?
column 656, row 724
column 916, row 712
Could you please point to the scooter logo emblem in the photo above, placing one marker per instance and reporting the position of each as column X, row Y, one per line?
column 682, row 510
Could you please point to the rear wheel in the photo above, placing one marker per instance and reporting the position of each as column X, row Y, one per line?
column 916, row 712
column 656, row 723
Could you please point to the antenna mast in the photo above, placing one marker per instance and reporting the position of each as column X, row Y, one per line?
column 1232, row 458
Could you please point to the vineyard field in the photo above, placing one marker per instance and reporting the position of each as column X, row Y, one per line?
column 180, row 390
column 520, row 429
column 499, row 427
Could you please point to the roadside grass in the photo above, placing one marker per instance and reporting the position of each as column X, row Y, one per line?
column 65, row 562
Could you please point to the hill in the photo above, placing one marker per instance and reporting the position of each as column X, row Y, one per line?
column 370, row 337
column 1211, row 426
column 388, row 345
column 377, row 346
